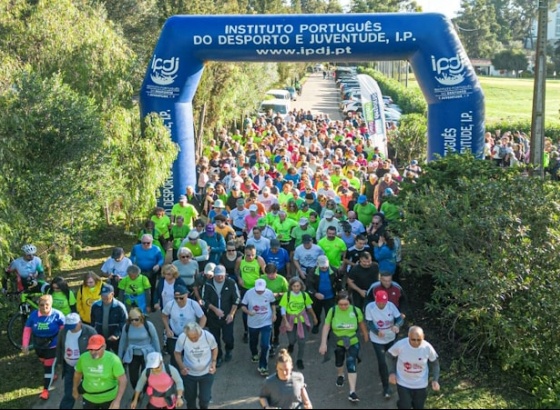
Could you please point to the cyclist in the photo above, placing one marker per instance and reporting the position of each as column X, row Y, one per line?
column 29, row 270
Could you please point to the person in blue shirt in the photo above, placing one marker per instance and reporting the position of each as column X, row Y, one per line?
column 42, row 329
column 278, row 256
column 148, row 258
column 216, row 243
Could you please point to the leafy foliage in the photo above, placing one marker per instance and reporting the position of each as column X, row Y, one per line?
column 410, row 140
column 511, row 60
column 488, row 237
column 54, row 157
column 141, row 161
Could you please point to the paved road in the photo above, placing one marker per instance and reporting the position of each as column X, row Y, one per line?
column 238, row 383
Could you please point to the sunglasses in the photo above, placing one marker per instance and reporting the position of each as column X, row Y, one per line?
column 96, row 350
column 231, row 250
column 415, row 340
column 185, row 257
column 146, row 243
column 135, row 319
column 179, row 297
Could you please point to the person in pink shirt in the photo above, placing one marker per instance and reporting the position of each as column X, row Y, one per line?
column 251, row 219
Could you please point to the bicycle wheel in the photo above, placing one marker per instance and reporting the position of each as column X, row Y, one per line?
column 15, row 329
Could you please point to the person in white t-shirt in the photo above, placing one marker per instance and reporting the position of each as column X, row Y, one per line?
column 114, row 268
column 176, row 314
column 383, row 321
column 259, row 304
column 410, row 362
column 196, row 354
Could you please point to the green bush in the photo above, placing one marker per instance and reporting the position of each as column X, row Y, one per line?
column 488, row 237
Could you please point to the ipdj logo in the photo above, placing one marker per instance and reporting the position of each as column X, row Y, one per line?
column 450, row 71
column 164, row 71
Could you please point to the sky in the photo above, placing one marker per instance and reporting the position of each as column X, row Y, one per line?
column 447, row 7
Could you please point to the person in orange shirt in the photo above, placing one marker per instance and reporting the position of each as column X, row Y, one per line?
column 222, row 227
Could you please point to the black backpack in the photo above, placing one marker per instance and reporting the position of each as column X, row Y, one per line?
column 168, row 394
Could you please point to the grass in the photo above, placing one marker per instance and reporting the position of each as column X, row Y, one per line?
column 512, row 99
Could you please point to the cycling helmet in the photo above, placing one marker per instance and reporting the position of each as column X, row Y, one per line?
column 29, row 249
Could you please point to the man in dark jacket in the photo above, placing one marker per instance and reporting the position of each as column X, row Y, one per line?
column 72, row 342
column 221, row 299
column 116, row 314
column 322, row 285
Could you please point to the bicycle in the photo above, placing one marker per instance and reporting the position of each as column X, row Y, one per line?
column 28, row 303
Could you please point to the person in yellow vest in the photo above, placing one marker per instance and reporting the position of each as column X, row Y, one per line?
column 198, row 247
column 87, row 295
column 248, row 269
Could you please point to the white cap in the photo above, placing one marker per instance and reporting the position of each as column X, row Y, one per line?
column 253, row 208
column 193, row 234
column 209, row 268
column 153, row 360
column 329, row 214
column 260, row 285
column 322, row 261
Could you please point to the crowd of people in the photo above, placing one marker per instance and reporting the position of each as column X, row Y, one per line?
column 289, row 224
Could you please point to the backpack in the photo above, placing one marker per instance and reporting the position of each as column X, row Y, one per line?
column 168, row 394
column 127, row 328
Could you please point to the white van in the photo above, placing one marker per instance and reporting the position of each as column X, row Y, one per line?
column 281, row 107
column 278, row 94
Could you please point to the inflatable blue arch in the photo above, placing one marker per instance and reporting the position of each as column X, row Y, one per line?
column 428, row 40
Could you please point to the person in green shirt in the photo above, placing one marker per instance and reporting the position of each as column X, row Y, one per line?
column 162, row 223
column 186, row 210
column 278, row 284
column 136, row 289
column 179, row 231
column 334, row 248
column 344, row 320
column 63, row 297
column 99, row 377
column 297, row 317
column 303, row 228
column 283, row 227
column 365, row 210
column 391, row 211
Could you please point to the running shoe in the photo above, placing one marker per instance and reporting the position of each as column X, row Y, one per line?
column 44, row 394
column 255, row 358
column 353, row 397
column 387, row 393
column 263, row 371
column 340, row 381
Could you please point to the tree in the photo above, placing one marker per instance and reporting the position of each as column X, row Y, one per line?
column 491, row 257
column 510, row 60
column 477, row 27
column 56, row 159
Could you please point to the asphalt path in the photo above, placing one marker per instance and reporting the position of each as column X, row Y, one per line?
column 237, row 383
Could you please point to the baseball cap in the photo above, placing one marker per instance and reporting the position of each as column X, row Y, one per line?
column 303, row 221
column 253, row 208
column 181, row 289
column 209, row 268
column 182, row 198
column 240, row 201
column 389, row 192
column 260, row 285
column 414, row 162
column 381, row 296
column 306, row 238
column 362, row 199
column 304, row 205
column 274, row 243
column 322, row 261
column 153, row 360
column 193, row 234
column 106, row 289
column 96, row 342
column 220, row 270
column 309, row 196
column 329, row 214
column 72, row 320
column 210, row 229
column 117, row 253
column 209, row 185
column 235, row 187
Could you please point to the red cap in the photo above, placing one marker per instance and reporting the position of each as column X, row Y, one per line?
column 381, row 296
